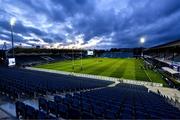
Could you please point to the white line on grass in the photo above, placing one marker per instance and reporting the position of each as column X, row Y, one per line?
column 146, row 72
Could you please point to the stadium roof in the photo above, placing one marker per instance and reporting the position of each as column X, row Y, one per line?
column 169, row 44
column 169, row 70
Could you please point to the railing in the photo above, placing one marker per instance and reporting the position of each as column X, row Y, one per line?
column 121, row 80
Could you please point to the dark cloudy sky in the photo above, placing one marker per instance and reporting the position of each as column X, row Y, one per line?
column 90, row 23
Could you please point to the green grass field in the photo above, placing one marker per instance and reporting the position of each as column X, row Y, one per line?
column 128, row 68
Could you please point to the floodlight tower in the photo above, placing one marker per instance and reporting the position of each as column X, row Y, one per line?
column 4, row 46
column 142, row 41
column 12, row 23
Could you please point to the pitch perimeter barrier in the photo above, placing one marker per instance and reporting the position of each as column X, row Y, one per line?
column 121, row 80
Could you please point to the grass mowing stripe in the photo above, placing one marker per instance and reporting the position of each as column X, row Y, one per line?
column 76, row 66
column 129, row 70
column 99, row 68
column 139, row 73
column 88, row 65
column 109, row 69
column 118, row 71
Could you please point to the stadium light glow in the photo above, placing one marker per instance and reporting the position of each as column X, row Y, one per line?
column 12, row 21
column 142, row 40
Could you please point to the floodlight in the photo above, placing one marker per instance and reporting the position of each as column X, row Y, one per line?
column 12, row 21
column 142, row 40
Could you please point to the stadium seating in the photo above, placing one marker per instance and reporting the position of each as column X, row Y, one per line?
column 177, row 58
column 32, row 60
column 123, row 101
column 29, row 60
column 24, row 111
column 16, row 82
column 117, row 55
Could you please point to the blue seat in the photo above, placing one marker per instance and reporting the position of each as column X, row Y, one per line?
column 86, row 107
column 87, row 115
column 41, row 115
column 20, row 109
column 74, row 113
column 141, row 115
column 126, row 116
column 52, row 107
column 43, row 104
column 30, row 112
column 98, row 111
column 68, row 96
column 62, row 110
column 76, row 103
column 58, row 99
column 69, row 99
column 114, row 108
column 110, row 115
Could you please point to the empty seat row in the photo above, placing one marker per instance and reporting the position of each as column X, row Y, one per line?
column 121, row 103
column 20, row 81
column 66, row 109
column 109, row 103
column 24, row 111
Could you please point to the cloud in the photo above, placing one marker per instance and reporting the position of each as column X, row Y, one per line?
column 90, row 23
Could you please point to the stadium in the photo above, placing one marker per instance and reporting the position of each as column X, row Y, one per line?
column 89, row 68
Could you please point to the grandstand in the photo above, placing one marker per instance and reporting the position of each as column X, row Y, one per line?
column 35, row 56
column 166, row 58
column 117, row 55
column 22, row 81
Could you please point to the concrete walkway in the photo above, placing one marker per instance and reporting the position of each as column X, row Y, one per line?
column 168, row 92
column 5, row 116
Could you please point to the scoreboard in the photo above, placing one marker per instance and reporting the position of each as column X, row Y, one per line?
column 90, row 52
